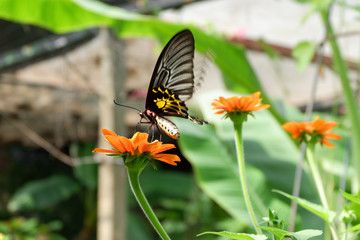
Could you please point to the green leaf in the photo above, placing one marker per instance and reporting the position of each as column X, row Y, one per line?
column 306, row 234
column 354, row 228
column 156, row 183
column 278, row 233
column 316, row 209
column 303, row 54
column 87, row 174
column 44, row 193
column 237, row 236
column 350, row 197
column 301, row 235
column 215, row 169
column 68, row 16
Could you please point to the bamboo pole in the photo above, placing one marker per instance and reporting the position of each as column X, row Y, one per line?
column 112, row 183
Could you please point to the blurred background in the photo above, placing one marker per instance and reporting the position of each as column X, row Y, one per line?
column 62, row 63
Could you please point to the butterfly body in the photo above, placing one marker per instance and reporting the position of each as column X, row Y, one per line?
column 172, row 83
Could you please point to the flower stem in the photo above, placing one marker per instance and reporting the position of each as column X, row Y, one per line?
column 241, row 163
column 349, row 96
column 318, row 182
column 144, row 204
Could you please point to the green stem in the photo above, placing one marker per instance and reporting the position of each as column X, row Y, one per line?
column 241, row 163
column 316, row 174
column 350, row 100
column 144, row 204
column 318, row 182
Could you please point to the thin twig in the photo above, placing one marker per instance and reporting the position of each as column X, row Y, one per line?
column 36, row 138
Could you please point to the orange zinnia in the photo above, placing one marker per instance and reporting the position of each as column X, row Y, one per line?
column 317, row 129
column 138, row 146
column 245, row 104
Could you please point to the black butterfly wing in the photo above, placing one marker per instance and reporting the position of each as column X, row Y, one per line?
column 173, row 72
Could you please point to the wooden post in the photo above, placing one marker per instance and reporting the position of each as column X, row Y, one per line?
column 112, row 184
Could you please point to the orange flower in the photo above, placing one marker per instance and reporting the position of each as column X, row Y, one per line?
column 246, row 104
column 138, row 146
column 317, row 129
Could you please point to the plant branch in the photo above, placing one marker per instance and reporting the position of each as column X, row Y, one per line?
column 36, row 138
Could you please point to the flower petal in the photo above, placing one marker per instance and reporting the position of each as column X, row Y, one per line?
column 139, row 141
column 245, row 104
column 327, row 143
column 108, row 132
column 121, row 144
column 163, row 148
column 137, row 145
column 168, row 158
column 315, row 128
column 333, row 136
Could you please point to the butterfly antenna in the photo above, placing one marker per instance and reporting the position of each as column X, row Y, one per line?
column 122, row 105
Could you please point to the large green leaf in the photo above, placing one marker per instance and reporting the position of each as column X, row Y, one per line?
column 62, row 16
column 44, row 193
column 156, row 183
column 216, row 170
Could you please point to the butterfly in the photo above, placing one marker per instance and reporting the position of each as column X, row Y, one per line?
column 172, row 83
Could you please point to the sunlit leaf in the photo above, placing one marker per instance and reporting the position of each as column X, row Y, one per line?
column 350, row 197
column 278, row 233
column 301, row 235
column 303, row 53
column 354, row 228
column 316, row 209
column 237, row 236
column 306, row 234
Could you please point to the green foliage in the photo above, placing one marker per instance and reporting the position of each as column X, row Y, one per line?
column 152, row 180
column 351, row 197
column 87, row 174
column 44, row 193
column 184, row 210
column 273, row 220
column 237, row 236
column 316, row 209
column 303, row 54
column 86, row 171
column 29, row 229
column 300, row 235
column 354, row 228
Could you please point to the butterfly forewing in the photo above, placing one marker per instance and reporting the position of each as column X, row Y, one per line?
column 171, row 84
column 174, row 69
